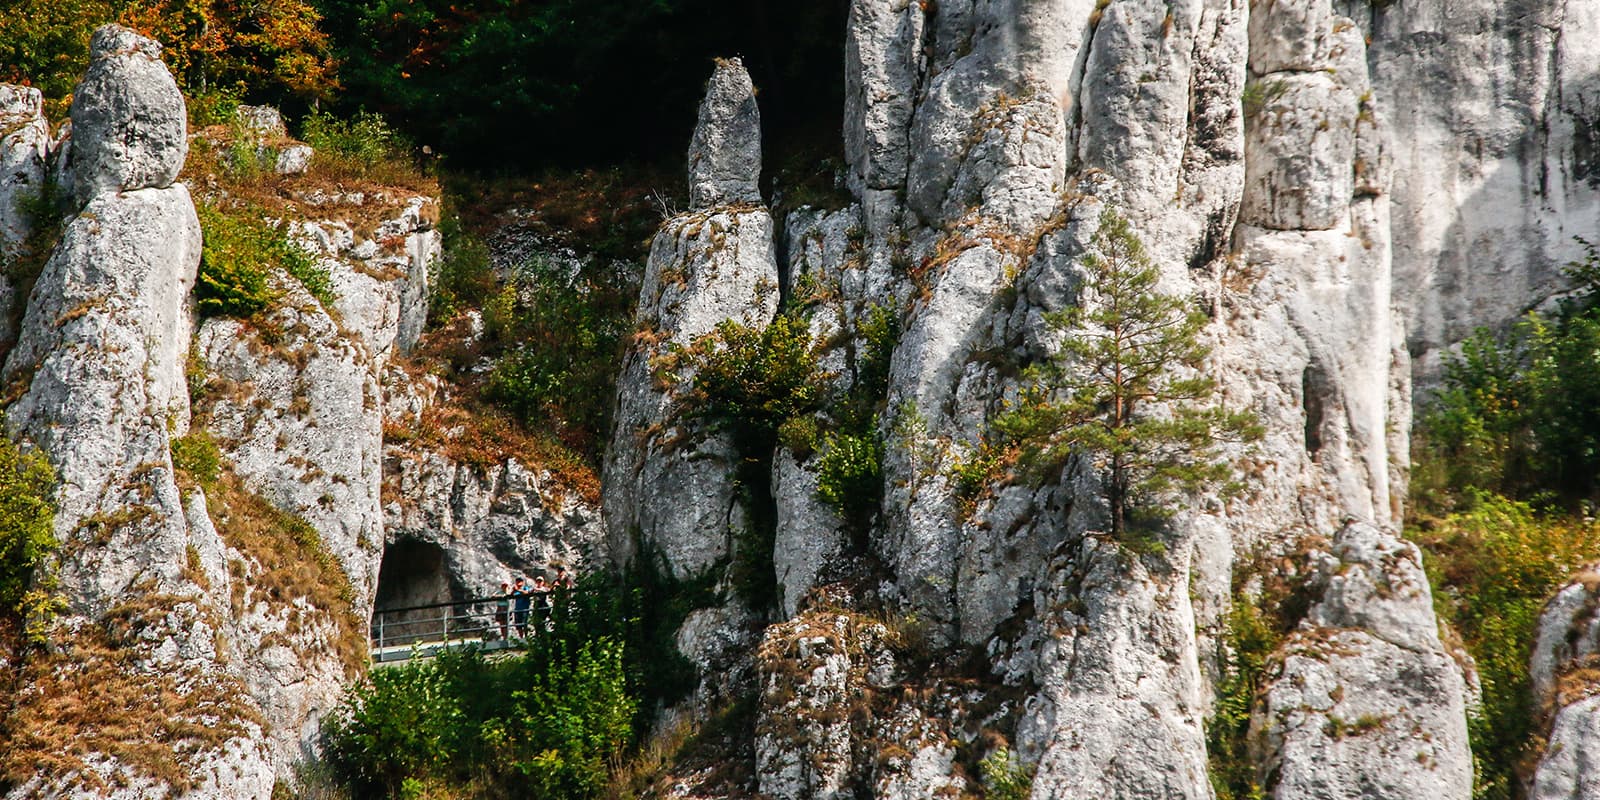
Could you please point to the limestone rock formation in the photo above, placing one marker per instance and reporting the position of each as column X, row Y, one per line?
column 1249, row 148
column 706, row 266
column 1491, row 108
column 23, row 149
column 1565, row 692
column 1366, row 701
column 129, row 124
column 725, row 154
column 98, row 381
column 492, row 522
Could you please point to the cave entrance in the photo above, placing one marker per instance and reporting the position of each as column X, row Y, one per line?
column 413, row 574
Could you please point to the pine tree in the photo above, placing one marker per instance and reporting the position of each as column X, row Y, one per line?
column 1125, row 388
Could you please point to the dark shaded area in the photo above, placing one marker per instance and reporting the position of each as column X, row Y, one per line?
column 413, row 573
column 515, row 84
column 1313, row 387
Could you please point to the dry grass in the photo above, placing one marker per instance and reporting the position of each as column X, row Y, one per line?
column 485, row 437
column 288, row 568
column 94, row 694
column 364, row 199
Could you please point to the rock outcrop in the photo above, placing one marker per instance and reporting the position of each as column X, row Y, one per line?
column 1566, row 692
column 725, row 154
column 25, row 191
column 98, row 380
column 24, row 146
column 706, row 266
column 1250, row 150
column 1492, row 112
column 129, row 122
column 492, row 521
column 1365, row 701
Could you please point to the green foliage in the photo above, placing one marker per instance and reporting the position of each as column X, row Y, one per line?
column 27, row 545
column 273, row 49
column 358, row 145
column 547, row 723
column 1519, row 414
column 463, row 275
column 1250, row 640
column 1126, row 388
column 197, row 456
column 543, row 724
column 561, row 332
column 1493, row 567
column 45, row 43
column 850, row 475
column 751, row 379
column 241, row 251
column 877, row 332
column 1004, row 777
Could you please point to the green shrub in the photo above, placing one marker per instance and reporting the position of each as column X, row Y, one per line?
column 1251, row 638
column 1004, row 777
column 463, row 275
column 752, row 379
column 197, row 456
column 359, row 145
column 1518, row 413
column 562, row 332
column 850, row 475
column 545, row 722
column 212, row 106
column 241, row 251
column 1493, row 568
column 27, row 545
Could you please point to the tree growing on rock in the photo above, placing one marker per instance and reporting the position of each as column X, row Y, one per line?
column 1125, row 389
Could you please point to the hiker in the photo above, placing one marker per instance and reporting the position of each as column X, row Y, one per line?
column 541, row 598
column 502, row 610
column 519, row 598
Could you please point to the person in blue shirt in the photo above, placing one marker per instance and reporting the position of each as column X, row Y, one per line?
column 521, row 599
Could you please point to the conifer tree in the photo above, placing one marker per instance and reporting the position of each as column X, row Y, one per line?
column 1126, row 388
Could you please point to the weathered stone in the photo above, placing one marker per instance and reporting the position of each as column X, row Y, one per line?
column 24, row 145
column 129, row 123
column 263, row 122
column 725, row 154
column 1300, row 151
column 705, row 267
column 294, row 159
column 1569, row 767
column 1365, row 703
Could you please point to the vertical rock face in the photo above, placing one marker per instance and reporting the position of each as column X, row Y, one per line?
column 24, row 145
column 1249, row 145
column 99, row 378
column 492, row 521
column 1493, row 114
column 294, row 400
column 668, row 483
column 24, row 150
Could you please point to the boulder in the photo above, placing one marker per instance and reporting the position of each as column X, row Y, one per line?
column 1365, row 701
column 129, row 123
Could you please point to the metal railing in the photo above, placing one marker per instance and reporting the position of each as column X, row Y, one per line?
column 399, row 634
